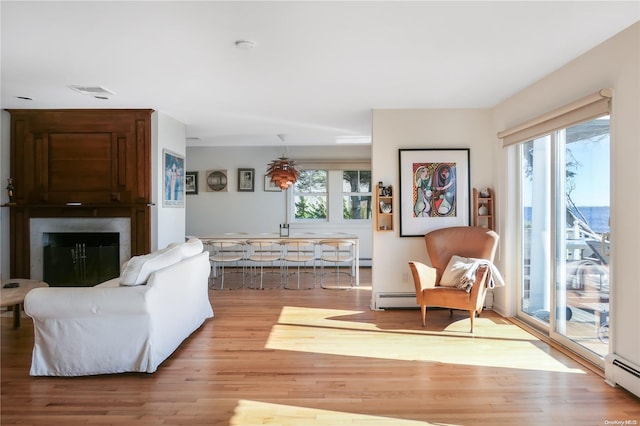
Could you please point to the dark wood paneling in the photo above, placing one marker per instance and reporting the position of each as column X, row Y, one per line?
column 140, row 231
column 17, row 156
column 20, row 259
column 98, row 158
column 121, row 164
column 40, row 166
column 80, row 154
column 143, row 157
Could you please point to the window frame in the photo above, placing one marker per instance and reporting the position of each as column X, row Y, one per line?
column 334, row 194
column 358, row 194
column 555, row 326
column 294, row 194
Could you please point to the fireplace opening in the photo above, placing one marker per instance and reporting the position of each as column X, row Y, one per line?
column 80, row 259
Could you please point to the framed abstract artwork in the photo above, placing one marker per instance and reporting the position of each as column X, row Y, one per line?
column 173, row 189
column 434, row 190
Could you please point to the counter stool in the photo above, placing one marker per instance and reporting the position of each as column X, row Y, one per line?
column 261, row 253
column 302, row 254
column 339, row 254
column 224, row 254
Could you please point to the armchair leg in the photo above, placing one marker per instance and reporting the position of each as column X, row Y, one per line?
column 472, row 315
column 423, row 312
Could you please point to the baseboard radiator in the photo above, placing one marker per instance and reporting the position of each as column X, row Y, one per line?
column 623, row 373
column 407, row 301
column 395, row 301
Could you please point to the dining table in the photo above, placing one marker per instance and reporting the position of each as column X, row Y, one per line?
column 312, row 236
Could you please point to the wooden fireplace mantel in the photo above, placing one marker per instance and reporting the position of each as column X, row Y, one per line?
column 79, row 163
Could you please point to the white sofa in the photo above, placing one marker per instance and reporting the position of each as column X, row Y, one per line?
column 130, row 323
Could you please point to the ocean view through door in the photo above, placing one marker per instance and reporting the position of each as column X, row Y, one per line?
column 564, row 227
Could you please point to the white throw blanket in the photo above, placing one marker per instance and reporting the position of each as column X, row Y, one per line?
column 469, row 277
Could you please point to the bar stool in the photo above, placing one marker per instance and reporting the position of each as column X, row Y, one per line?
column 301, row 253
column 337, row 253
column 261, row 252
column 225, row 252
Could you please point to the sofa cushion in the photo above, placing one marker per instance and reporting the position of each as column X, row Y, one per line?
column 138, row 268
column 454, row 271
column 190, row 248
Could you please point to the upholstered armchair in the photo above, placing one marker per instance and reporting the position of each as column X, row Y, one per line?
column 442, row 245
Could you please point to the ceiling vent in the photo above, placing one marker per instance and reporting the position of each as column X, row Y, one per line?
column 95, row 91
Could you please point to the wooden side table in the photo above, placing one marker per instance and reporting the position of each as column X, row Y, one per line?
column 15, row 296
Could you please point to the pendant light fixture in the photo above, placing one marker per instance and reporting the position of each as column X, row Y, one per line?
column 283, row 172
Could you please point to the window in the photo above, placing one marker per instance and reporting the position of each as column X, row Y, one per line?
column 356, row 194
column 325, row 193
column 310, row 195
column 563, row 214
column 564, row 210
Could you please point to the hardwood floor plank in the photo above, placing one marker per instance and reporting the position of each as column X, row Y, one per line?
column 322, row 357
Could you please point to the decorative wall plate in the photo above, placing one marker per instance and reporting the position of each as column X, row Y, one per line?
column 217, row 180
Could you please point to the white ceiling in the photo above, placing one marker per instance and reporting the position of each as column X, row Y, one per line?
column 317, row 68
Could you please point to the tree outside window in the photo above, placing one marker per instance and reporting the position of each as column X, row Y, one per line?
column 310, row 195
column 356, row 194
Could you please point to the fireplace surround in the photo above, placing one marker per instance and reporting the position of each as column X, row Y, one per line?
column 41, row 227
column 79, row 166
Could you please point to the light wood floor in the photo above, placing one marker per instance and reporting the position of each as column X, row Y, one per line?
column 322, row 357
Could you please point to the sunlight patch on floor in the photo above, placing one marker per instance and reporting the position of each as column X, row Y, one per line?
column 314, row 331
column 336, row 318
column 258, row 413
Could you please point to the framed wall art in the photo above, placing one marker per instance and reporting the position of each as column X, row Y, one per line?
column 191, row 183
column 246, row 180
column 434, row 190
column 173, row 188
column 216, row 181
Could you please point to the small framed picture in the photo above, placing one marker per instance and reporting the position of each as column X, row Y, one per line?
column 191, row 183
column 173, row 188
column 269, row 186
column 246, row 180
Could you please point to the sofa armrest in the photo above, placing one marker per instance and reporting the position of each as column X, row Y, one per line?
column 74, row 302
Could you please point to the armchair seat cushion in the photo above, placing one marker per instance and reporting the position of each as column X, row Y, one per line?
column 447, row 297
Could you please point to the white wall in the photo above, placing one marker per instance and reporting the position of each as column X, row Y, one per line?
column 168, row 224
column 210, row 213
column 395, row 129
column 614, row 64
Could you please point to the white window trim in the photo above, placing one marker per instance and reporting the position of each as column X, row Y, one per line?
column 358, row 194
column 334, row 193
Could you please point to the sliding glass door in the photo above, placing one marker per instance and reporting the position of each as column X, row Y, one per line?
column 564, row 234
